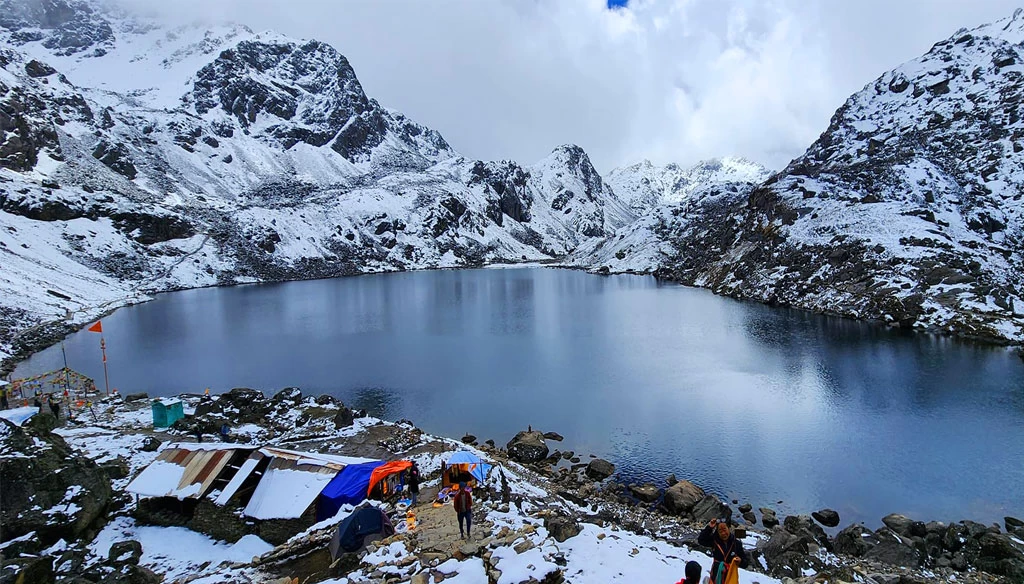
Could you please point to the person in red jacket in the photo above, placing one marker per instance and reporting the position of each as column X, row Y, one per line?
column 463, row 503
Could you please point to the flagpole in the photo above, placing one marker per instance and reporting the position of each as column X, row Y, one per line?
column 67, row 373
column 106, row 379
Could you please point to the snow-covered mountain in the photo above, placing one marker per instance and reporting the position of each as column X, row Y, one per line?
column 136, row 158
column 907, row 209
column 644, row 186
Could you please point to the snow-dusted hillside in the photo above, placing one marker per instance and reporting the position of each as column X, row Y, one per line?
column 644, row 186
column 907, row 209
column 136, row 158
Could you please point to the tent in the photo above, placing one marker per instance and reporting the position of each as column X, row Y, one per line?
column 460, row 465
column 384, row 478
column 352, row 532
column 349, row 486
column 166, row 412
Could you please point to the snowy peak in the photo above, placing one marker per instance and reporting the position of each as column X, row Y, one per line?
column 65, row 27
column 644, row 186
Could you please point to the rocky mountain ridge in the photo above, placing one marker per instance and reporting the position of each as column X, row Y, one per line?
column 645, row 186
column 137, row 158
column 906, row 210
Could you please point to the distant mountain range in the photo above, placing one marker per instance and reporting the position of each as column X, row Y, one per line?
column 136, row 158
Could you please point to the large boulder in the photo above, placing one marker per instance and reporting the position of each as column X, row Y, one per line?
column 826, row 517
column 681, row 497
column 647, row 493
column 61, row 494
column 600, row 469
column 710, row 507
column 901, row 524
column 768, row 517
column 242, row 405
column 894, row 549
column 1000, row 554
column 806, row 529
column 1014, row 525
column 28, row 570
column 125, row 552
column 561, row 528
column 528, row 447
column 854, row 541
column 787, row 555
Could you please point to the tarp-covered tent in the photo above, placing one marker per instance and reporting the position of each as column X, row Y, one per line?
column 352, row 532
column 386, row 478
column 462, row 464
column 349, row 486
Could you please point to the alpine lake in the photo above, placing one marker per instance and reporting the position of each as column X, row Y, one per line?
column 755, row 403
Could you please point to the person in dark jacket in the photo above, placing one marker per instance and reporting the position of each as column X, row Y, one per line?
column 55, row 407
column 692, row 573
column 724, row 548
column 414, row 483
column 463, row 503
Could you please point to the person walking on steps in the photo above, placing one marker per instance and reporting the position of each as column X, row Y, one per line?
column 691, row 573
column 414, row 483
column 726, row 550
column 463, row 503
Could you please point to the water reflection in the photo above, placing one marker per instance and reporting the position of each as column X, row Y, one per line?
column 752, row 402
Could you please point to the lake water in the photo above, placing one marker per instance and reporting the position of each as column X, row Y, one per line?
column 754, row 403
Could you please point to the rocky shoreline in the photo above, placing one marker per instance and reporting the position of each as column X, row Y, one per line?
column 555, row 507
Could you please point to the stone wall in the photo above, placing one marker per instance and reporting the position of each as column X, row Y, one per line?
column 223, row 523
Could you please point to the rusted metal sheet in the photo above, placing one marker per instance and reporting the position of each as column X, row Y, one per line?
column 184, row 471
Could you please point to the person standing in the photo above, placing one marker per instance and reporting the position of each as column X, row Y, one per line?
column 414, row 483
column 3, row 399
column 463, row 503
column 55, row 407
column 724, row 549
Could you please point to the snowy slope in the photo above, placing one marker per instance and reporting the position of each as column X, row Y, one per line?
column 908, row 208
column 136, row 158
column 644, row 186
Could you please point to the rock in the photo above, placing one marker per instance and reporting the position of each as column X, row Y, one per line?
column 786, row 555
column 750, row 517
column 326, row 400
column 150, row 444
column 561, row 528
column 647, row 493
column 954, row 537
column 553, row 436
column 38, row 69
column 898, row 523
column 344, row 418
column 523, row 546
column 681, row 497
column 421, row 578
column 805, row 528
column 1014, row 525
column 470, row 549
column 710, row 507
column 769, row 520
column 893, row 549
column 600, row 469
column 116, row 469
column 288, row 395
column 826, row 517
column 49, row 475
column 132, row 574
column 469, row 439
column 28, row 570
column 854, row 541
column 671, row 480
column 999, row 554
column 132, row 397
column 125, row 552
column 746, row 508
column 527, row 447
column 568, row 454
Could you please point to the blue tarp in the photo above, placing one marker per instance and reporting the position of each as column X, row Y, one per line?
column 479, row 471
column 348, row 486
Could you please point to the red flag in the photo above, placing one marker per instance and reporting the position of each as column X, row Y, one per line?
column 96, row 328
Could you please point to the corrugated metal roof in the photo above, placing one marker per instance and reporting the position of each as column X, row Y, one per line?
column 288, row 488
column 182, row 472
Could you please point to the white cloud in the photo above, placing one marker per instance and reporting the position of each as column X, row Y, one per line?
column 669, row 80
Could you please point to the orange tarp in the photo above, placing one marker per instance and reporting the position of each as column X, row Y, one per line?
column 388, row 468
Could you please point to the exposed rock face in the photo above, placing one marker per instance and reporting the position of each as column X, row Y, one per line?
column 600, row 469
column 61, row 494
column 681, row 497
column 906, row 210
column 768, row 517
column 125, row 552
column 893, row 548
column 855, row 541
column 708, row 508
column 528, row 447
column 806, row 529
column 647, row 493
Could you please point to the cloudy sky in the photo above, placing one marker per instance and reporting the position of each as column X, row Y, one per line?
column 667, row 80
